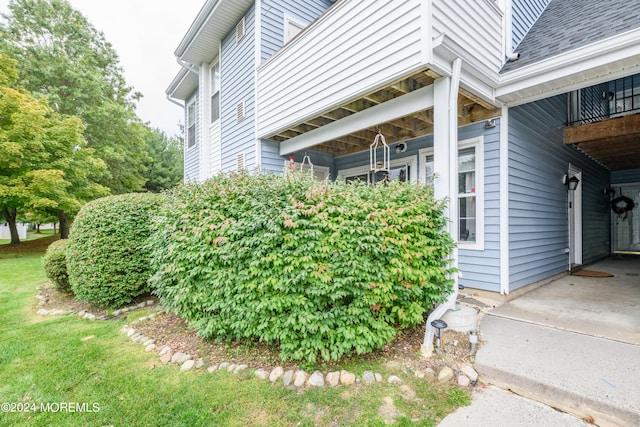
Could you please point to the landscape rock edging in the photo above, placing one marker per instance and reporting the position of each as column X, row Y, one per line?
column 297, row 379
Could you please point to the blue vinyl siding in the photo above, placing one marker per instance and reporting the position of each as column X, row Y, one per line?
column 192, row 155
column 273, row 12
column 237, row 83
column 271, row 159
column 273, row 162
column 538, row 209
column 480, row 269
column 625, row 177
column 524, row 15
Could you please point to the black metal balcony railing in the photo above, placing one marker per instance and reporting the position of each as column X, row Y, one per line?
column 608, row 100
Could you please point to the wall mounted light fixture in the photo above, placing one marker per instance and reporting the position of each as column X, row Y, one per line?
column 491, row 123
column 571, row 183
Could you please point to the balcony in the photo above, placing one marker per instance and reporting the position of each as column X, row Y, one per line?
column 360, row 54
column 604, row 122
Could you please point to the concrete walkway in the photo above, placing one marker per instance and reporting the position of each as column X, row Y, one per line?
column 573, row 344
column 494, row 407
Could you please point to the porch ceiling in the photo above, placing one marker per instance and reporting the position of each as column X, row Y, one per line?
column 470, row 109
column 614, row 142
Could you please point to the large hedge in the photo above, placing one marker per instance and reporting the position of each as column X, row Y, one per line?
column 108, row 254
column 322, row 269
column 55, row 265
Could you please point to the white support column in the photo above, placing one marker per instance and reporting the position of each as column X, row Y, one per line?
column 204, row 112
column 445, row 152
column 504, row 201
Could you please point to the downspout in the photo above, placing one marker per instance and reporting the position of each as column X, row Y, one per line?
column 440, row 310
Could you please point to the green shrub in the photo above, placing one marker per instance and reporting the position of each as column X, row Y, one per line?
column 322, row 269
column 55, row 265
column 108, row 254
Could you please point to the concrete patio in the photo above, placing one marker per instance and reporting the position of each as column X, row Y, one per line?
column 573, row 344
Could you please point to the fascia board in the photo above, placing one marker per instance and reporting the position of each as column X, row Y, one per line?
column 183, row 84
column 600, row 54
column 196, row 26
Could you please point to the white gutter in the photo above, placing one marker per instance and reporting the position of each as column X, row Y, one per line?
column 450, row 303
column 173, row 101
column 196, row 26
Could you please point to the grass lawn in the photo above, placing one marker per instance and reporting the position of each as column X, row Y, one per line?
column 51, row 360
column 31, row 235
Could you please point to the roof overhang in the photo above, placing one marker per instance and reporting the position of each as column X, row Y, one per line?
column 184, row 84
column 214, row 21
column 599, row 62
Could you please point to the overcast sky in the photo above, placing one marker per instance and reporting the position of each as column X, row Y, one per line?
column 145, row 33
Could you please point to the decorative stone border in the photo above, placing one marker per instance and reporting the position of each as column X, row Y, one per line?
column 466, row 375
column 292, row 378
column 91, row 316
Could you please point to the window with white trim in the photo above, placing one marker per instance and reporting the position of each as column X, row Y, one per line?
column 470, row 190
column 320, row 173
column 215, row 92
column 292, row 27
column 191, row 124
column 467, row 195
column 403, row 169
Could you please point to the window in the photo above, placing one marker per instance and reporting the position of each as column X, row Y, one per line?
column 320, row 173
column 403, row 170
column 470, row 185
column 427, row 177
column 215, row 92
column 191, row 124
column 467, row 207
column 292, row 27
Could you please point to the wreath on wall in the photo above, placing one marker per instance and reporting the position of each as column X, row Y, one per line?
column 622, row 206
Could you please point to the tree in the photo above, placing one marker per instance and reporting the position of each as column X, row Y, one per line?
column 165, row 169
column 62, row 56
column 46, row 165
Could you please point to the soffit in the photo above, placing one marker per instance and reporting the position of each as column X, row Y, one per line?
column 470, row 109
column 214, row 21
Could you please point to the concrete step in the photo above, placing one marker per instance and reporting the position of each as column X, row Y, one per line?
column 592, row 378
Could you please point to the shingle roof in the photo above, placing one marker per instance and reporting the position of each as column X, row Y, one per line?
column 566, row 25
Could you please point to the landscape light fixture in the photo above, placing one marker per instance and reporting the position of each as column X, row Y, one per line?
column 473, row 340
column 439, row 325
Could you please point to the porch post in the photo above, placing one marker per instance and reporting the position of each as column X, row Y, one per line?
column 445, row 152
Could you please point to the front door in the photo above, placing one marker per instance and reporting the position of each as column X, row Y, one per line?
column 575, row 221
column 626, row 222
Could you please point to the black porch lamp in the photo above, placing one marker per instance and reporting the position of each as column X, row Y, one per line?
column 571, row 183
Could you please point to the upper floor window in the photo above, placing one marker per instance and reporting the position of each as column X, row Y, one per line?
column 191, row 124
column 292, row 27
column 215, row 92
